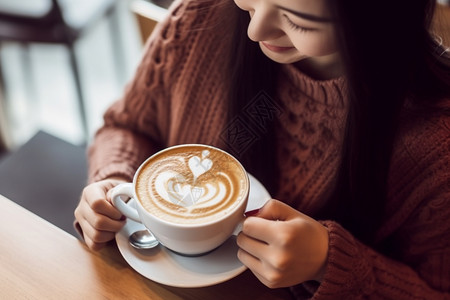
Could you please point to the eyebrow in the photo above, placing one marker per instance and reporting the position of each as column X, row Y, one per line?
column 306, row 16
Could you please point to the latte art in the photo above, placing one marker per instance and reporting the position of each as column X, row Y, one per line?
column 191, row 185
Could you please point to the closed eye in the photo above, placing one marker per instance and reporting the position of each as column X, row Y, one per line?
column 295, row 26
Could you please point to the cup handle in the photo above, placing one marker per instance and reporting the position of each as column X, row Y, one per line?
column 124, row 189
column 238, row 227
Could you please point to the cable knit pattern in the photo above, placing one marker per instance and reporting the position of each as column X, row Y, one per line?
column 179, row 95
column 309, row 133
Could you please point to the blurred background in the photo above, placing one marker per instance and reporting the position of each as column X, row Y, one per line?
column 62, row 63
column 40, row 90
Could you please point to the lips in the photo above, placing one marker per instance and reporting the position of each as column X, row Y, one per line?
column 276, row 48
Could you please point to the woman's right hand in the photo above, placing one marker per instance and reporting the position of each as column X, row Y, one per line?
column 97, row 218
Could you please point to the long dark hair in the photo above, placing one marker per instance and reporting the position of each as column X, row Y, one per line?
column 252, row 74
column 390, row 56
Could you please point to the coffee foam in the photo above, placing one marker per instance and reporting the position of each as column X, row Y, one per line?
column 191, row 184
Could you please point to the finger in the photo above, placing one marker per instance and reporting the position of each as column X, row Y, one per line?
column 256, row 266
column 105, row 208
column 108, row 184
column 96, row 199
column 96, row 220
column 94, row 235
column 94, row 246
column 276, row 210
column 103, row 223
column 262, row 279
column 252, row 246
column 265, row 226
column 259, row 229
column 271, row 281
column 248, row 260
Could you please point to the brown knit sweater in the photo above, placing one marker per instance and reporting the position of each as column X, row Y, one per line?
column 179, row 96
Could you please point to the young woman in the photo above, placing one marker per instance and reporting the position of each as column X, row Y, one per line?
column 341, row 108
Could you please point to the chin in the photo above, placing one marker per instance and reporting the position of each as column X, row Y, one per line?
column 283, row 58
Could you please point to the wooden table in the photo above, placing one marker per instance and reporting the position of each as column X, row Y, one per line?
column 40, row 261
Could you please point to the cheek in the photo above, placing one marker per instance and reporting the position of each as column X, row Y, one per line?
column 315, row 44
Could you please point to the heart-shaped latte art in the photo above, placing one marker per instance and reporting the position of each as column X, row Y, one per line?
column 184, row 194
column 199, row 166
column 175, row 188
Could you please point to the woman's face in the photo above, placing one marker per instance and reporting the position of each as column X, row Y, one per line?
column 290, row 31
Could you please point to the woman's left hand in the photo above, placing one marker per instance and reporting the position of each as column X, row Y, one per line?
column 282, row 246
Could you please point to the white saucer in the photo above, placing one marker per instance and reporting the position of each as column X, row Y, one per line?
column 166, row 267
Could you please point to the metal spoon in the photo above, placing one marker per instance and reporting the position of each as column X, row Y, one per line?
column 143, row 239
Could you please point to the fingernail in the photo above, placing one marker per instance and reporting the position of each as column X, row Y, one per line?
column 123, row 218
column 251, row 213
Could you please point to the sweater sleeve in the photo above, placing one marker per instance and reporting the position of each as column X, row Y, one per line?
column 415, row 260
column 356, row 271
column 136, row 126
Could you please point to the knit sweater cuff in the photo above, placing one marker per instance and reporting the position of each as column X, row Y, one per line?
column 123, row 170
column 117, row 152
column 347, row 272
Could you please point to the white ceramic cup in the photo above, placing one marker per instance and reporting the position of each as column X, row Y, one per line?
column 190, row 238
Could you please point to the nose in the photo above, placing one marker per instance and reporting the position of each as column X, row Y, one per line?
column 262, row 25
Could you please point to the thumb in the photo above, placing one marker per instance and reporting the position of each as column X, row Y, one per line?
column 276, row 210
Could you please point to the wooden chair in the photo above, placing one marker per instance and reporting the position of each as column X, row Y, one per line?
column 55, row 22
column 148, row 14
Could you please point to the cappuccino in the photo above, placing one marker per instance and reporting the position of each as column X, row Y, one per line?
column 191, row 184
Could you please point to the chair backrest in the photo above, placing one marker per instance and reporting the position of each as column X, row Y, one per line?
column 148, row 14
column 51, row 14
